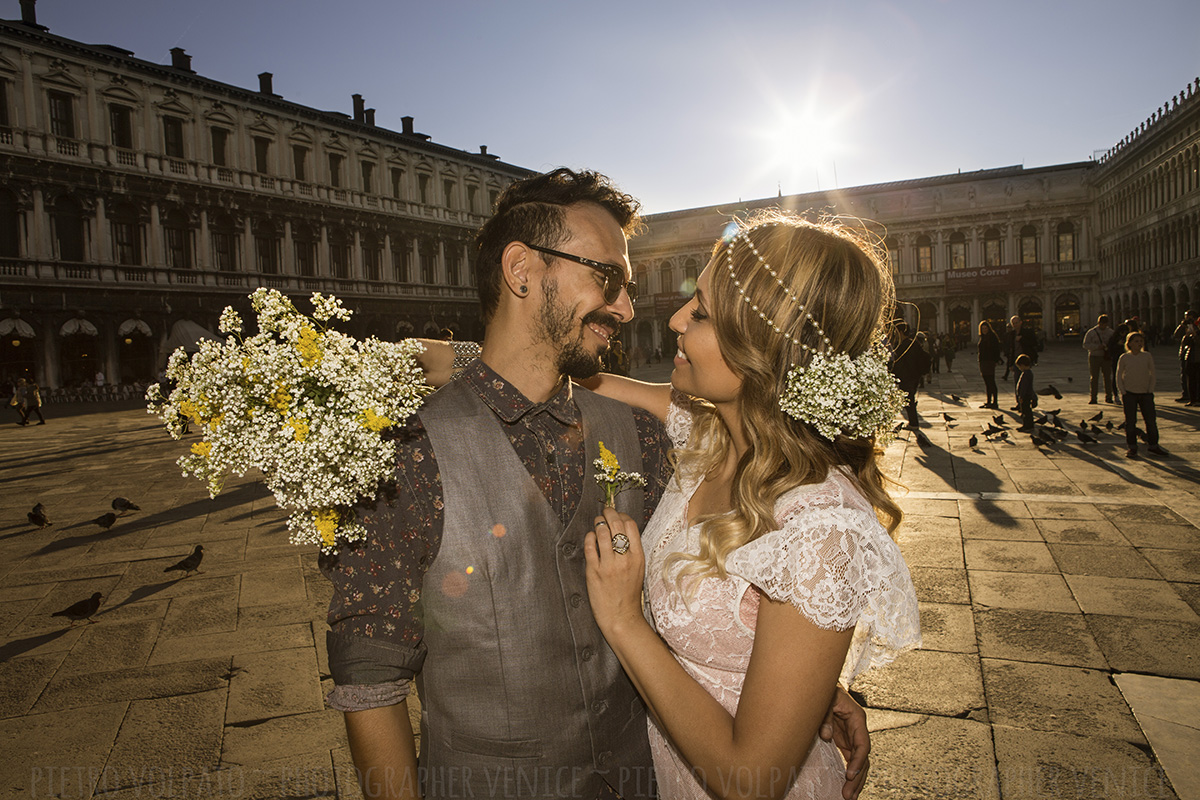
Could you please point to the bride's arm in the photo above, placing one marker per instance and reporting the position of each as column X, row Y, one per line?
column 792, row 675
column 438, row 359
column 654, row 397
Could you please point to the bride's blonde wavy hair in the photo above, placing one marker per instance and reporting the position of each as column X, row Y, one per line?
column 840, row 275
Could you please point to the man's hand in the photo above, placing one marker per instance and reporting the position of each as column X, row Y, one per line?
column 845, row 725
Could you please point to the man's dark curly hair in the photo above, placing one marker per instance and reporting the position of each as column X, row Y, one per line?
column 534, row 211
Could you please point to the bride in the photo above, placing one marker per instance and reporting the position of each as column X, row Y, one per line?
column 768, row 575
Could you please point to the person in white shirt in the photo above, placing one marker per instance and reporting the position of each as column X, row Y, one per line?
column 1135, row 384
column 1096, row 341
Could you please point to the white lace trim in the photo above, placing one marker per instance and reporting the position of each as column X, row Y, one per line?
column 679, row 418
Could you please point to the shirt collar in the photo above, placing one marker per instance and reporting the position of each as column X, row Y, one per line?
column 507, row 401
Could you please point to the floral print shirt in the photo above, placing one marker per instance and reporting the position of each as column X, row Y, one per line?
column 375, row 627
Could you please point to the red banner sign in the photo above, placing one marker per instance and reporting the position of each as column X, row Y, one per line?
column 977, row 280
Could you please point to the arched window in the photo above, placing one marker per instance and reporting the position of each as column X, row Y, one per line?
column 10, row 226
column 401, row 249
column 126, row 234
column 691, row 271
column 339, row 253
column 924, row 254
column 1029, row 245
column 665, row 277
column 958, row 250
column 224, row 243
column 68, row 229
column 428, row 255
column 266, row 248
column 993, row 254
column 372, row 256
column 893, row 253
column 177, row 236
column 1066, row 316
column 304, row 245
column 1066, row 241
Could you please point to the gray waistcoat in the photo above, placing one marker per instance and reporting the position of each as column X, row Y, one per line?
column 520, row 694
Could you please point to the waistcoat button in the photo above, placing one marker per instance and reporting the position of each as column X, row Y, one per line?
column 568, row 549
column 599, row 706
column 587, row 653
column 576, row 600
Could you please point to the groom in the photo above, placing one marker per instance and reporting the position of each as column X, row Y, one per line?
column 471, row 579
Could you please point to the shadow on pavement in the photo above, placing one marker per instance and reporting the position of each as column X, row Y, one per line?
column 18, row 646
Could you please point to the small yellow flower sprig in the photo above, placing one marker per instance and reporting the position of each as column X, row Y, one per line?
column 304, row 404
column 612, row 481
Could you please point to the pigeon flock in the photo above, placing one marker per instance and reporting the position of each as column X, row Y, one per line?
column 1048, row 429
column 85, row 609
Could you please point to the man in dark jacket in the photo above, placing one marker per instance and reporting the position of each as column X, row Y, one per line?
column 909, row 364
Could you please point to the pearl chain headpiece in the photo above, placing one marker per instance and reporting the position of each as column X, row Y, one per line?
column 741, row 234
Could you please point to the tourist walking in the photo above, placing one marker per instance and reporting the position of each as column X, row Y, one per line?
column 989, row 357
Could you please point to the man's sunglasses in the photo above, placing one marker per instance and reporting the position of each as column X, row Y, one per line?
column 614, row 276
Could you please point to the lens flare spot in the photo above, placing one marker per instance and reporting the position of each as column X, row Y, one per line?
column 498, row 530
column 688, row 287
column 470, row 570
column 455, row 584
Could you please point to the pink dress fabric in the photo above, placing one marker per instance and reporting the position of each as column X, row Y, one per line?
column 831, row 558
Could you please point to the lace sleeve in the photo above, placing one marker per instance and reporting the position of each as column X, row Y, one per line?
column 838, row 566
column 679, row 418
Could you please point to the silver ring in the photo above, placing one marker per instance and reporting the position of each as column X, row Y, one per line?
column 601, row 522
column 620, row 544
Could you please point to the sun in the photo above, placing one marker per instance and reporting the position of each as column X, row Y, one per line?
column 799, row 143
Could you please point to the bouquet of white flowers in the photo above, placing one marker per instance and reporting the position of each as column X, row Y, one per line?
column 304, row 404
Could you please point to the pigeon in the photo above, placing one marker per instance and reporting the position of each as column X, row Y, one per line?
column 189, row 564
column 1096, row 430
column 38, row 516
column 1041, row 419
column 1139, row 433
column 1070, row 379
column 992, row 430
column 999, row 420
column 105, row 520
column 1003, row 436
column 1058, row 423
column 1108, row 425
column 956, row 398
column 1054, row 413
column 1050, row 390
column 947, row 417
column 973, row 441
column 1097, row 418
column 1083, row 437
column 1083, row 424
column 1039, row 440
column 81, row 610
column 899, row 427
column 121, row 505
column 1121, row 427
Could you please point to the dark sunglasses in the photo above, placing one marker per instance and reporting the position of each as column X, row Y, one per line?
column 614, row 276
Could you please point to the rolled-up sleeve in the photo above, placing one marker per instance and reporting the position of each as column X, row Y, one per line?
column 375, row 628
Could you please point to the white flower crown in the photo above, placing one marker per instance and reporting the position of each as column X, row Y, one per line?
column 836, row 394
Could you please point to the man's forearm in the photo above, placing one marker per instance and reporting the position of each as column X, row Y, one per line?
column 384, row 752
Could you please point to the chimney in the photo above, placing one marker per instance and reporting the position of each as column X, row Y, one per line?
column 180, row 59
column 407, row 122
column 483, row 149
column 359, row 112
column 265, row 85
column 369, row 117
column 29, row 12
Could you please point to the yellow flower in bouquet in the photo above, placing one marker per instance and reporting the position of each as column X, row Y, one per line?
column 301, row 402
column 610, row 477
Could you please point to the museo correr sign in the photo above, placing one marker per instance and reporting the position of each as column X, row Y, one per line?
column 977, row 280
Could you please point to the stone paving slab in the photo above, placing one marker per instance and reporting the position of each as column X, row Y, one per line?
column 1169, row 710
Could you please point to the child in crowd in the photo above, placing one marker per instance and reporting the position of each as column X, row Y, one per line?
column 1135, row 386
column 1026, row 397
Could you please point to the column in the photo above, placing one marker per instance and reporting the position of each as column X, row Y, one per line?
column 441, row 278
column 943, row 324
column 40, row 246
column 155, row 250
column 974, row 251
column 323, row 253
column 247, row 250
column 356, row 257
column 288, row 267
column 386, row 268
column 414, row 261
column 101, row 250
column 50, row 354
column 976, row 317
column 204, row 246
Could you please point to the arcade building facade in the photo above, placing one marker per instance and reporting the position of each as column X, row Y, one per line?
column 137, row 196
column 1057, row 245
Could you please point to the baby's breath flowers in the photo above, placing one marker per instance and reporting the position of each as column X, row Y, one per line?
column 612, row 481
column 304, row 404
column 839, row 395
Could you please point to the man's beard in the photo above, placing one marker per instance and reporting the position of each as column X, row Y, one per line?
column 558, row 327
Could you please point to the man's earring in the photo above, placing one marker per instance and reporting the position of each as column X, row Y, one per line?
column 524, row 289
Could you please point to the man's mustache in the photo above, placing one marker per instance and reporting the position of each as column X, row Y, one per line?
column 605, row 319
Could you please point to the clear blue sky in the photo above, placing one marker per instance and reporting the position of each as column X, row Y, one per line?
column 695, row 103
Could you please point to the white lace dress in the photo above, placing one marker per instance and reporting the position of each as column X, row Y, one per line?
column 830, row 558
